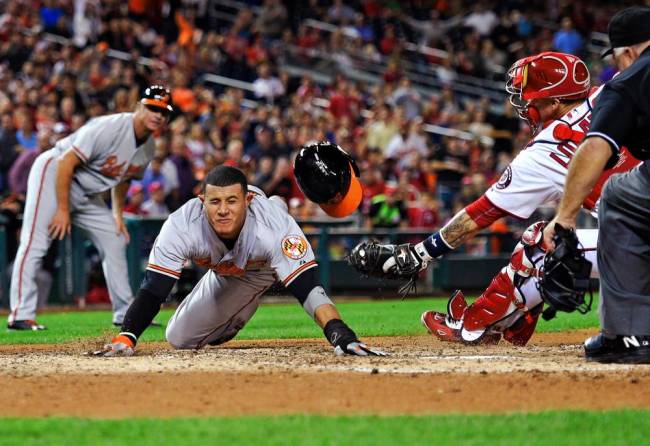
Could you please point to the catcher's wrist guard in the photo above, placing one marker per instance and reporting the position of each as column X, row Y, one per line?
column 433, row 246
column 565, row 277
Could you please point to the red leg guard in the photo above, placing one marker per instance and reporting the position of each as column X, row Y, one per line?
column 457, row 305
column 496, row 302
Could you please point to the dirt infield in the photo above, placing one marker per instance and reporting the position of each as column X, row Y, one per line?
column 422, row 375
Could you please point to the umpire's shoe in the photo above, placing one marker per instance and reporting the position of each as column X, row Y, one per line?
column 621, row 349
column 26, row 325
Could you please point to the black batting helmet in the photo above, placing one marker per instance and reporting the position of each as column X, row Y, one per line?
column 329, row 176
column 157, row 96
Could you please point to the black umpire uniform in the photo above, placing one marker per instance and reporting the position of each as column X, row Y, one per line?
column 622, row 118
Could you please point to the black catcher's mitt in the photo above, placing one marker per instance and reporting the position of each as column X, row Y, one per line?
column 564, row 278
column 396, row 262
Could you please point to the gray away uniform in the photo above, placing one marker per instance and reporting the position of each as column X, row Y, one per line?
column 270, row 247
column 107, row 149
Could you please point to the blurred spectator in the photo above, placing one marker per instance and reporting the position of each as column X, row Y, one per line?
column 264, row 144
column 155, row 206
column 135, row 199
column 424, row 212
column 26, row 134
column 197, row 143
column 567, row 39
column 450, row 163
column 388, row 210
column 272, row 18
column 19, row 172
column 482, row 19
column 382, row 129
column 280, row 182
column 8, row 143
column 153, row 174
column 266, row 86
column 406, row 97
column 505, row 126
column 340, row 13
column 184, row 168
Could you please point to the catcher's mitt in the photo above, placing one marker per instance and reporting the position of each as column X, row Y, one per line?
column 564, row 279
column 396, row 262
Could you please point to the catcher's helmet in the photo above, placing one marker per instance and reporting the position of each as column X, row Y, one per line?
column 546, row 75
column 328, row 176
column 157, row 96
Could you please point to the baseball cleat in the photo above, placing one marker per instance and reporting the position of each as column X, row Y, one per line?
column 621, row 349
column 435, row 324
column 27, row 324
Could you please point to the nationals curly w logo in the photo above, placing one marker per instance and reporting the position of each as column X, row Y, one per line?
column 506, row 179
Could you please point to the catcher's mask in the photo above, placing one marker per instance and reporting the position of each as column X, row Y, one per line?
column 328, row 176
column 565, row 280
column 545, row 75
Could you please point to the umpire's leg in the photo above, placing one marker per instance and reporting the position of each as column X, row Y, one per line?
column 624, row 254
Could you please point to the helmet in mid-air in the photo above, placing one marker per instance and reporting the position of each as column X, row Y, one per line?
column 545, row 75
column 329, row 176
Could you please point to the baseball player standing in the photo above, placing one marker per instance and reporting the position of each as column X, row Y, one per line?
column 64, row 188
column 551, row 92
column 621, row 118
column 247, row 242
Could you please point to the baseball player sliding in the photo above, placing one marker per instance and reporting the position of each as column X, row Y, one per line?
column 64, row 188
column 248, row 242
column 551, row 92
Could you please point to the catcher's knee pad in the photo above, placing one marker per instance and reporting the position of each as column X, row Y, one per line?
column 520, row 332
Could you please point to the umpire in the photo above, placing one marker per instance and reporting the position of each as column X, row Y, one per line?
column 621, row 118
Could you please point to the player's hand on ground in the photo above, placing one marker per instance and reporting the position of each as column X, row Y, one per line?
column 358, row 348
column 121, row 228
column 60, row 225
column 119, row 346
column 345, row 341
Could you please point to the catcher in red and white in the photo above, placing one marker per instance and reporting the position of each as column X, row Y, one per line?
column 552, row 93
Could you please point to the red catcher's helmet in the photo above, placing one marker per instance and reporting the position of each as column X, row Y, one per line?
column 546, row 75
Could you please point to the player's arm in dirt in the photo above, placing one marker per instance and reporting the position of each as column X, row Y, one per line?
column 309, row 292
column 401, row 262
column 152, row 293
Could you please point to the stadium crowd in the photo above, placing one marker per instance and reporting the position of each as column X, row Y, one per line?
column 59, row 68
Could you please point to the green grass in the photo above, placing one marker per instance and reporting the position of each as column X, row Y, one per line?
column 369, row 318
column 531, row 429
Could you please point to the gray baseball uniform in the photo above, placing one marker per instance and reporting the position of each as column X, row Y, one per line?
column 107, row 149
column 270, row 247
